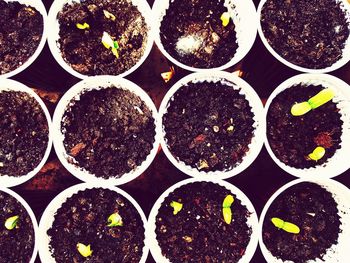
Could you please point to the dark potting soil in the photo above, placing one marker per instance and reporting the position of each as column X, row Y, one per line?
column 83, row 49
column 198, row 233
column 109, row 132
column 293, row 138
column 24, row 133
column 21, row 28
column 16, row 245
column 83, row 218
column 209, row 126
column 310, row 34
column 314, row 210
column 192, row 32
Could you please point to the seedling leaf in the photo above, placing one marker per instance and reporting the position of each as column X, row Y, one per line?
column 286, row 226
column 11, row 222
column 84, row 250
column 83, row 26
column 177, row 207
column 115, row 220
column 225, row 18
column 317, row 154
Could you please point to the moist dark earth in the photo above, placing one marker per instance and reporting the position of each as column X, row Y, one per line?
column 24, row 133
column 109, row 131
column 314, row 210
column 310, row 34
column 197, row 24
column 21, row 28
column 209, row 125
column 83, row 49
column 83, row 219
column 293, row 138
column 198, row 233
column 16, row 245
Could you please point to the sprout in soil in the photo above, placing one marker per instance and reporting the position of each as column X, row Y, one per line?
column 167, row 76
column 109, row 15
column 83, row 26
column 317, row 154
column 226, row 208
column 177, row 207
column 115, row 220
column 225, row 18
column 316, row 101
column 85, row 251
column 108, row 42
column 286, row 226
column 11, row 222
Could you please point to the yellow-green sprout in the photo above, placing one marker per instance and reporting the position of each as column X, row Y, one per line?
column 83, row 26
column 84, row 250
column 11, row 222
column 225, row 18
column 108, row 43
column 286, row 226
column 176, row 206
column 109, row 15
column 115, row 220
column 226, row 208
column 317, row 154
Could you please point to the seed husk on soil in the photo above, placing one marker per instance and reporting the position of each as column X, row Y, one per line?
column 310, row 34
column 83, row 218
column 24, row 133
column 313, row 209
column 198, row 233
column 193, row 33
column 21, row 29
column 108, row 132
column 16, row 245
column 209, row 126
column 293, row 138
column 82, row 48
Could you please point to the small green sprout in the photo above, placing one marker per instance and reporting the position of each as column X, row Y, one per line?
column 11, row 222
column 115, row 220
column 225, row 18
column 317, row 154
column 286, row 226
column 84, row 250
column 109, row 15
column 226, row 208
column 177, row 207
column 83, row 26
column 108, row 42
column 316, row 101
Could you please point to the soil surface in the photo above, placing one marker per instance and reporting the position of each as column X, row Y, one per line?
column 192, row 32
column 109, row 132
column 24, row 133
column 21, row 28
column 83, row 48
column 198, row 233
column 313, row 209
column 209, row 126
column 293, row 138
column 83, row 218
column 310, row 34
column 16, row 245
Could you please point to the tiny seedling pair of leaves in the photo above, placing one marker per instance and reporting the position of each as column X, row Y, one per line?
column 11, row 222
column 286, row 226
column 176, row 206
column 226, row 209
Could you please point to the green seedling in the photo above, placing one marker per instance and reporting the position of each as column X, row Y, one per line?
column 177, row 207
column 83, row 26
column 84, row 250
column 109, row 43
column 317, row 154
column 115, row 220
column 109, row 15
column 225, row 18
column 286, row 226
column 11, row 222
column 316, row 101
column 226, row 209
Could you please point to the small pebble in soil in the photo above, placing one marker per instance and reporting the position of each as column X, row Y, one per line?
column 310, row 34
column 192, row 32
column 108, row 132
column 209, row 126
column 313, row 209
column 24, row 133
column 21, row 28
column 293, row 138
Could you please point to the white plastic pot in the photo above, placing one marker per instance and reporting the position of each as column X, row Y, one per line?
column 92, row 83
column 338, row 163
column 341, row 62
column 32, row 218
column 338, row 253
column 47, row 218
column 259, row 122
column 252, row 220
column 39, row 6
column 12, row 85
column 53, row 35
column 243, row 15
